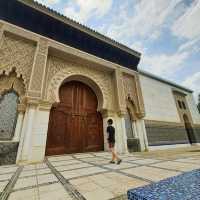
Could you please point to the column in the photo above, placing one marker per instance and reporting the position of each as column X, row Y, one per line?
column 39, row 132
column 21, row 110
column 120, row 93
column 24, row 148
column 142, row 135
column 38, row 70
column 121, row 138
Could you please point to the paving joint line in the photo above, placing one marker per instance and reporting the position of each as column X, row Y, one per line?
column 29, row 176
column 34, row 186
column 120, row 172
column 75, row 194
column 8, row 189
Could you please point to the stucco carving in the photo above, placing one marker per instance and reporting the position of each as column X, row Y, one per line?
column 18, row 53
column 59, row 70
column 39, row 67
column 12, row 82
column 133, row 94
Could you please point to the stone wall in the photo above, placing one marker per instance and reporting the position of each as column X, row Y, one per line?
column 8, row 152
column 197, row 133
column 164, row 133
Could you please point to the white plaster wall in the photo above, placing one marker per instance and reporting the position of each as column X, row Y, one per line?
column 193, row 109
column 39, row 135
column 158, row 100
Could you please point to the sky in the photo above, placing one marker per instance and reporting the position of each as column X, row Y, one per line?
column 166, row 32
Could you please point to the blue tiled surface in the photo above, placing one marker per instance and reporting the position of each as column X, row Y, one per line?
column 182, row 187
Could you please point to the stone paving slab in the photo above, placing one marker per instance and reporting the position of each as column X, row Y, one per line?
column 91, row 176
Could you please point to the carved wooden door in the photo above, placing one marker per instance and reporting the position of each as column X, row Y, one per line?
column 74, row 124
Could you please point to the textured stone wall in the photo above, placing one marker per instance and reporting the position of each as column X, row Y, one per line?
column 197, row 133
column 8, row 152
column 163, row 133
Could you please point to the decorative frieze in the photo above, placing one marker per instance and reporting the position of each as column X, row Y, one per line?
column 1, row 33
column 39, row 67
column 120, row 92
column 60, row 70
column 133, row 95
column 18, row 53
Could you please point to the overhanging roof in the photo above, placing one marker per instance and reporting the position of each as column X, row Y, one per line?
column 46, row 22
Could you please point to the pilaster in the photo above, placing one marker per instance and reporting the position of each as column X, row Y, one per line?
column 21, row 110
column 26, row 133
column 1, row 33
column 39, row 68
column 142, row 135
column 141, row 113
column 120, row 93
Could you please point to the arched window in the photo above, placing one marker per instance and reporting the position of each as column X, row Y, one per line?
column 8, row 114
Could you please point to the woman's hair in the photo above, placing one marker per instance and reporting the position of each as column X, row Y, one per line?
column 110, row 121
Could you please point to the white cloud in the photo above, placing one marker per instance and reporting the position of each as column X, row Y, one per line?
column 82, row 10
column 187, row 25
column 163, row 64
column 48, row 2
column 190, row 45
column 145, row 21
column 138, row 46
column 193, row 82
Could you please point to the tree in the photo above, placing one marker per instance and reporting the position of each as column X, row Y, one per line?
column 198, row 104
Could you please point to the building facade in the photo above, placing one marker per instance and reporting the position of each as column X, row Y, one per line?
column 60, row 82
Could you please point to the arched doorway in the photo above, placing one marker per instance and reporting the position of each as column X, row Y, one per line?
column 189, row 129
column 74, row 124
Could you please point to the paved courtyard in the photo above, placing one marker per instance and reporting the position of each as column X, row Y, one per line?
column 90, row 176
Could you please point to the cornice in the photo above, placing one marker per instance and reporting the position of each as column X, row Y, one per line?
column 79, row 26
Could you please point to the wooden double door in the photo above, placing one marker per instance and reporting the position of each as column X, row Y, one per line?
column 74, row 123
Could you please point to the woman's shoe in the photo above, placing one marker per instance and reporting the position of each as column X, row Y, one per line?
column 112, row 162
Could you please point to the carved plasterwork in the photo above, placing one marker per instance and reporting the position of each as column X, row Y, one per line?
column 18, row 53
column 59, row 70
column 12, row 82
column 39, row 67
column 133, row 95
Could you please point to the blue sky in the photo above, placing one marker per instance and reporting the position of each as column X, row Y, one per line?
column 166, row 32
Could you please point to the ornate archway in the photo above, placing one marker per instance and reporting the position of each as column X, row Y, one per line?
column 75, row 125
column 98, row 81
column 12, row 92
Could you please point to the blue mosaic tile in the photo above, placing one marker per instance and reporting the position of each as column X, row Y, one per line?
column 182, row 187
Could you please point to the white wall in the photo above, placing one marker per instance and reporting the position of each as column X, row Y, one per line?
column 39, row 136
column 158, row 100
column 193, row 109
